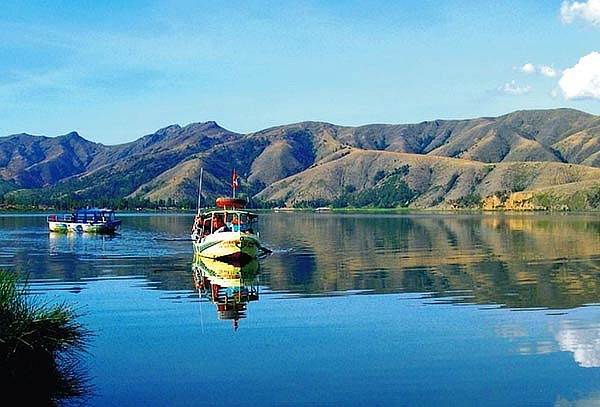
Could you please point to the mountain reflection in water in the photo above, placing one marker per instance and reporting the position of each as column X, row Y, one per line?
column 229, row 286
column 515, row 261
column 527, row 261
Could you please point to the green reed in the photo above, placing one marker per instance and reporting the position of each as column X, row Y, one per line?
column 40, row 348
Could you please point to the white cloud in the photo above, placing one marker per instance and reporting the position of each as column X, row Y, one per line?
column 547, row 71
column 528, row 68
column 588, row 11
column 582, row 81
column 512, row 88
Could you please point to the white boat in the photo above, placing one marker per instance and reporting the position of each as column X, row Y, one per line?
column 227, row 233
column 85, row 220
column 323, row 209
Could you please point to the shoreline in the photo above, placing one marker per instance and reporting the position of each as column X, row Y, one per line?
column 44, row 212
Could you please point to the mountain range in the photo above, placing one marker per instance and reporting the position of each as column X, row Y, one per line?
column 522, row 160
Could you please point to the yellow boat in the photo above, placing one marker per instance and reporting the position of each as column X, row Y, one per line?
column 228, row 233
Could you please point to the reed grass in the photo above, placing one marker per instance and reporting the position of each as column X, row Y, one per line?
column 40, row 348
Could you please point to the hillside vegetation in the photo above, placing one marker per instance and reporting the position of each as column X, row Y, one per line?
column 523, row 160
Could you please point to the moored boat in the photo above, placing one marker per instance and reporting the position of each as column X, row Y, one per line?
column 85, row 220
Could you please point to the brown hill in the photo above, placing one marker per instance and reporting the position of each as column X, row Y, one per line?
column 437, row 181
column 440, row 163
column 34, row 161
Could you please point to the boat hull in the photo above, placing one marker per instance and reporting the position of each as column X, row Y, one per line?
column 80, row 227
column 228, row 245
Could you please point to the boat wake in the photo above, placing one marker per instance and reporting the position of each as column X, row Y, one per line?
column 171, row 239
column 281, row 250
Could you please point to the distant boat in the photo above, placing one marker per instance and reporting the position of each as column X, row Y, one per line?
column 228, row 233
column 284, row 209
column 323, row 209
column 85, row 220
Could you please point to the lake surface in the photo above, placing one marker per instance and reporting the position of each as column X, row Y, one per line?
column 349, row 310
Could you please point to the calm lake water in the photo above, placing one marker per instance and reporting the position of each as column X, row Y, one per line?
column 349, row 310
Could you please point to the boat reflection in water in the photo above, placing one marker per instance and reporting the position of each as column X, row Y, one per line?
column 229, row 286
column 81, row 243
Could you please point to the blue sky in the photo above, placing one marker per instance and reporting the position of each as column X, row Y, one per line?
column 117, row 70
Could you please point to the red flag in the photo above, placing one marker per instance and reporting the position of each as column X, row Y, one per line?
column 234, row 180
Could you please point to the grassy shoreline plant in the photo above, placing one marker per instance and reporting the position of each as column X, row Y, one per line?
column 40, row 348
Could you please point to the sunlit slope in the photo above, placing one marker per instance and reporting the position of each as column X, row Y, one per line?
column 293, row 152
column 437, row 181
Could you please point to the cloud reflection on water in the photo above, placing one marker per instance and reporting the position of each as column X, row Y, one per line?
column 582, row 340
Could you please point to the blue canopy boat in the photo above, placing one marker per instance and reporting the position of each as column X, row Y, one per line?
column 85, row 220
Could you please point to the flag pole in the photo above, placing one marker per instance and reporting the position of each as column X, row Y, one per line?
column 234, row 182
column 200, row 190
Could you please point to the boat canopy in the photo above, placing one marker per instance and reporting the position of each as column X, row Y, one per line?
column 225, row 221
column 227, row 202
column 93, row 214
